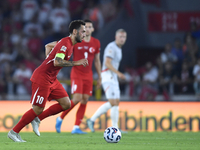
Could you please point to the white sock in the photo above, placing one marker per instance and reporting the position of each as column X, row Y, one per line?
column 101, row 110
column 75, row 127
column 114, row 115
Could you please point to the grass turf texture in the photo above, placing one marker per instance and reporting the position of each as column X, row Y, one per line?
column 95, row 141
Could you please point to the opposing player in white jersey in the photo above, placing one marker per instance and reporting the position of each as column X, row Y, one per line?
column 110, row 74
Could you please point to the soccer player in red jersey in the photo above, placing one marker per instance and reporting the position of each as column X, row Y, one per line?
column 82, row 77
column 45, row 85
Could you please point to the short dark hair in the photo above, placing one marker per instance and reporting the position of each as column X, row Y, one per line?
column 87, row 20
column 76, row 24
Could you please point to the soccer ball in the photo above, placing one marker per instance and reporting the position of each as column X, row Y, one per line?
column 112, row 135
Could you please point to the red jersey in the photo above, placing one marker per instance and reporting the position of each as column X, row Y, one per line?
column 46, row 73
column 85, row 50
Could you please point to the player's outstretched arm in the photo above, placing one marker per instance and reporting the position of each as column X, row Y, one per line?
column 59, row 62
column 49, row 47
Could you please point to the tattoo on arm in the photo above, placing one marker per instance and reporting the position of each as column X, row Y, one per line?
column 64, row 63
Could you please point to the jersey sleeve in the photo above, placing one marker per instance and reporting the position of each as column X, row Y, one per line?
column 62, row 47
column 98, row 47
column 109, row 52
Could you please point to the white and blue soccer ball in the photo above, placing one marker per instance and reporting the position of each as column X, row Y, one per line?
column 112, row 135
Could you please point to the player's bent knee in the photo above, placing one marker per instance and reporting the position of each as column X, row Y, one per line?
column 84, row 101
column 66, row 105
column 65, row 102
column 114, row 102
column 76, row 101
column 38, row 110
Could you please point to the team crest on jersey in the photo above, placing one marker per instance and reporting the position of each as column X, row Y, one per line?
column 63, row 48
column 91, row 50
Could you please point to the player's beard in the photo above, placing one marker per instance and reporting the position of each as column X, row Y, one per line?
column 78, row 38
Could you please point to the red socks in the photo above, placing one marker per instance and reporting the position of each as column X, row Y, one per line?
column 30, row 115
column 52, row 110
column 26, row 119
column 80, row 114
column 64, row 113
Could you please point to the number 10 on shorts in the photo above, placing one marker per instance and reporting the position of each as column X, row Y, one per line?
column 40, row 99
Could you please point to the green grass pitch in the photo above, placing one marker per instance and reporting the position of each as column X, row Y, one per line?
column 95, row 141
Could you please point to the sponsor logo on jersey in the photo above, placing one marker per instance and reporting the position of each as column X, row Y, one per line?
column 63, row 48
column 80, row 47
column 85, row 47
column 91, row 50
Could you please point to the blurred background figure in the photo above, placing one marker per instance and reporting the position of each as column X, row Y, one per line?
column 33, row 27
column 28, row 9
column 167, row 55
column 93, row 12
column 196, row 73
column 183, row 81
column 43, row 14
column 178, row 52
column 166, row 80
column 149, row 88
column 59, row 16
column 21, row 78
column 195, row 32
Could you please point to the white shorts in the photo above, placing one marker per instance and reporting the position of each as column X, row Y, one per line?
column 111, row 90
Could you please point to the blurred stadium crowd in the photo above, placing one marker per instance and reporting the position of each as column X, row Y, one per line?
column 27, row 25
column 175, row 71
